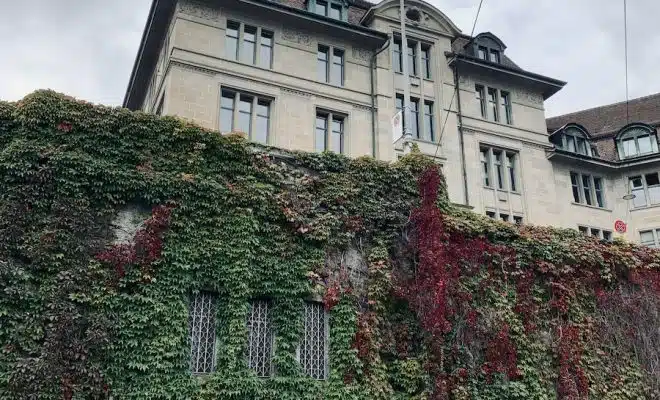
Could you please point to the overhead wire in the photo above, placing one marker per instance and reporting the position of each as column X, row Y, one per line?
column 451, row 102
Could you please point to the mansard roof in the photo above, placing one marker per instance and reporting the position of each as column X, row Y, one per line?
column 608, row 120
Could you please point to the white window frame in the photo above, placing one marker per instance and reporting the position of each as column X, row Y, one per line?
column 326, row 340
column 238, row 57
column 195, row 326
column 256, row 98
column 592, row 189
column 656, row 237
column 645, row 188
column 492, row 164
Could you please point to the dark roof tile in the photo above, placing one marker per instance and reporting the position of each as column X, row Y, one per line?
column 606, row 120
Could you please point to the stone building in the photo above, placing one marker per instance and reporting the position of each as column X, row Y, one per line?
column 606, row 168
column 320, row 75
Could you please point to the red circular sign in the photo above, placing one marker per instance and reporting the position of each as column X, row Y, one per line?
column 620, row 226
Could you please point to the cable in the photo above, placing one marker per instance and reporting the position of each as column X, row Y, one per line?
column 625, row 36
column 444, row 124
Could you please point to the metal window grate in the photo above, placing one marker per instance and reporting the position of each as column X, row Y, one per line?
column 313, row 346
column 202, row 333
column 260, row 338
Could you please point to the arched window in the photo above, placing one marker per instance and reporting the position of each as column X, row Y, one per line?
column 576, row 140
column 637, row 140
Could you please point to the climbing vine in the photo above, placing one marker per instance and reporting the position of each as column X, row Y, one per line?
column 424, row 300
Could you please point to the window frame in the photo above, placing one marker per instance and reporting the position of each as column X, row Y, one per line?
column 342, row 5
column 591, row 187
column 193, row 317
column 634, row 133
column 255, row 100
column 495, row 104
column 326, row 340
column 656, row 237
column 505, row 103
column 422, row 57
column 601, row 234
column 240, row 39
column 270, row 331
column 645, row 188
column 419, row 133
column 507, row 166
column 480, row 91
column 575, row 136
column 330, row 64
column 330, row 117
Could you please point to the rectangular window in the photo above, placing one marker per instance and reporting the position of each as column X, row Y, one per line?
column 426, row 62
column 511, row 166
column 337, row 70
column 575, row 183
column 323, row 64
column 329, row 132
column 494, row 56
column 201, row 327
column 428, row 121
column 244, row 108
column 249, row 44
column 414, row 116
column 653, row 185
column 607, row 235
column 266, row 52
column 598, row 189
column 498, row 168
column 504, row 217
column 335, row 11
column 256, row 44
column 570, row 143
column 227, row 111
column 412, row 58
column 321, row 8
column 482, row 53
column 313, row 348
column 492, row 104
column 396, row 56
column 650, row 238
column 506, row 107
column 490, row 214
column 262, row 123
column 595, row 232
column 231, row 40
column 637, row 189
column 481, row 98
column 583, row 230
column 588, row 189
column 517, row 220
column 260, row 338
column 244, row 113
column 485, row 173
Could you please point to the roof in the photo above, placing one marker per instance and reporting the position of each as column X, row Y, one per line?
column 609, row 119
column 458, row 46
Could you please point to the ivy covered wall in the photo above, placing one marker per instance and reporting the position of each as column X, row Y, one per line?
column 423, row 301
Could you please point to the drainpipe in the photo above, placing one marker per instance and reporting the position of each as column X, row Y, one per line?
column 372, row 70
column 460, row 134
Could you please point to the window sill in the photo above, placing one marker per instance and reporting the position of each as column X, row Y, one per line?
column 645, row 207
column 592, row 207
column 514, row 192
column 481, row 117
column 414, row 139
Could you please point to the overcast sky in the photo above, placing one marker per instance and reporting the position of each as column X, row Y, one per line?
column 86, row 48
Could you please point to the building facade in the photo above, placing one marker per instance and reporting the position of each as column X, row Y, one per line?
column 325, row 75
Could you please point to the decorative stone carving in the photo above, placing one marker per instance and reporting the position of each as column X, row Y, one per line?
column 361, row 107
column 529, row 97
column 361, row 54
column 294, row 36
column 296, row 92
column 192, row 68
column 199, row 10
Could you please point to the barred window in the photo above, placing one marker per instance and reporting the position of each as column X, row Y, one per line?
column 313, row 355
column 201, row 323
column 260, row 338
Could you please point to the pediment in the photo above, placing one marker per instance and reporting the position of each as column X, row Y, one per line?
column 430, row 18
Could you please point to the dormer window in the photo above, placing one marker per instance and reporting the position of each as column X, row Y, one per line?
column 488, row 47
column 576, row 140
column 637, row 140
column 335, row 9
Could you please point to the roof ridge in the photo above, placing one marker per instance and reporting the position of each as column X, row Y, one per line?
column 637, row 99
